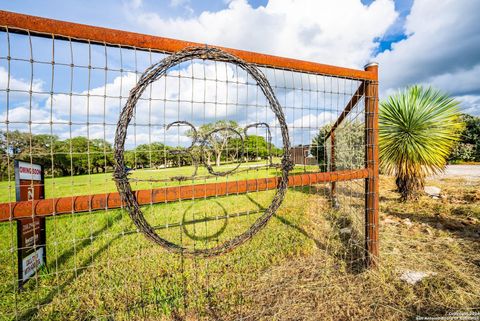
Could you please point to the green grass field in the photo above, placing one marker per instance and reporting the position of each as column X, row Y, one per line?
column 90, row 254
column 103, row 183
column 96, row 268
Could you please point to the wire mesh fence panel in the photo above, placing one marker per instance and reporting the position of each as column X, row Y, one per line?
column 207, row 158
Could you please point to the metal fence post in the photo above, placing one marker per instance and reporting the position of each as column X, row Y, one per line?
column 371, row 163
column 333, row 168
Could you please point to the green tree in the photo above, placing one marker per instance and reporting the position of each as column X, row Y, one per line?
column 470, row 137
column 74, row 156
column 257, row 146
column 41, row 151
column 61, row 162
column 463, row 152
column 4, row 157
column 77, row 154
column 418, row 128
column 27, row 147
column 350, row 145
column 18, row 142
column 216, row 143
column 101, row 155
column 318, row 148
column 253, row 147
column 150, row 155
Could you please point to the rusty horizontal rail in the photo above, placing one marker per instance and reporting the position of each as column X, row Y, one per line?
column 20, row 23
column 87, row 203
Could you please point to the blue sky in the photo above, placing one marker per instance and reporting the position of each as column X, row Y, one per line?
column 415, row 41
column 81, row 12
column 396, row 32
column 109, row 13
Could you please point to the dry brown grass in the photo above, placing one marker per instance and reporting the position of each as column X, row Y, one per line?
column 440, row 236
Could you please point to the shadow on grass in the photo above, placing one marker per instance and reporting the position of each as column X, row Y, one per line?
column 204, row 238
column 62, row 259
column 351, row 251
column 29, row 314
column 317, row 242
column 459, row 227
column 346, row 254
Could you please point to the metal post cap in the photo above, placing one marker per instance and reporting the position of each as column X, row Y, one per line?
column 370, row 64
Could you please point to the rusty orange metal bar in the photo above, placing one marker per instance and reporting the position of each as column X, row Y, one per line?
column 348, row 108
column 372, row 164
column 87, row 203
column 20, row 23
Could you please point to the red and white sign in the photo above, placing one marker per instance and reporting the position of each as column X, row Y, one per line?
column 32, row 263
column 29, row 171
column 31, row 234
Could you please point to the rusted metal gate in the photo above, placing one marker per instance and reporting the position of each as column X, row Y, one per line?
column 38, row 53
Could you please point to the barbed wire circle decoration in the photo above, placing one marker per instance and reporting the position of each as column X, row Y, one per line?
column 154, row 73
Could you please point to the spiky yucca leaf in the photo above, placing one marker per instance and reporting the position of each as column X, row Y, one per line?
column 417, row 130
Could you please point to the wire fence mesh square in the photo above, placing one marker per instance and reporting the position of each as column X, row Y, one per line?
column 205, row 128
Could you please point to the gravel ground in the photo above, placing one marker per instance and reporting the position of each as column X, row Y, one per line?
column 465, row 171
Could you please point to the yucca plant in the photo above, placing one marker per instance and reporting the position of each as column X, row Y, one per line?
column 417, row 130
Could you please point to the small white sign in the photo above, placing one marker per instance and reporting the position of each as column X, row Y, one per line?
column 29, row 171
column 32, row 263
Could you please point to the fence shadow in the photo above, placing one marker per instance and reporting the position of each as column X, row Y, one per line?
column 457, row 226
column 352, row 250
column 65, row 256
column 206, row 238
column 30, row 314
column 350, row 254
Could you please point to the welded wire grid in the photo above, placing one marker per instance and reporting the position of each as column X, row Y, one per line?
column 346, row 150
column 60, row 104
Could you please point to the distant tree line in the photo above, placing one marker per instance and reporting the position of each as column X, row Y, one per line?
column 468, row 148
column 212, row 146
column 80, row 155
column 74, row 156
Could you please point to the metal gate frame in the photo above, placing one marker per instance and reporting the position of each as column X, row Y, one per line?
column 43, row 27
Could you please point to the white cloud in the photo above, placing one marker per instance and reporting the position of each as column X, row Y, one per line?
column 442, row 49
column 458, row 81
column 303, row 129
column 470, row 104
column 313, row 121
column 185, row 95
column 34, row 119
column 136, row 3
column 336, row 32
column 80, row 104
column 19, row 87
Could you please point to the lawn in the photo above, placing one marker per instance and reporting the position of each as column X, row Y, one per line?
column 305, row 265
column 98, row 267
column 103, row 183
